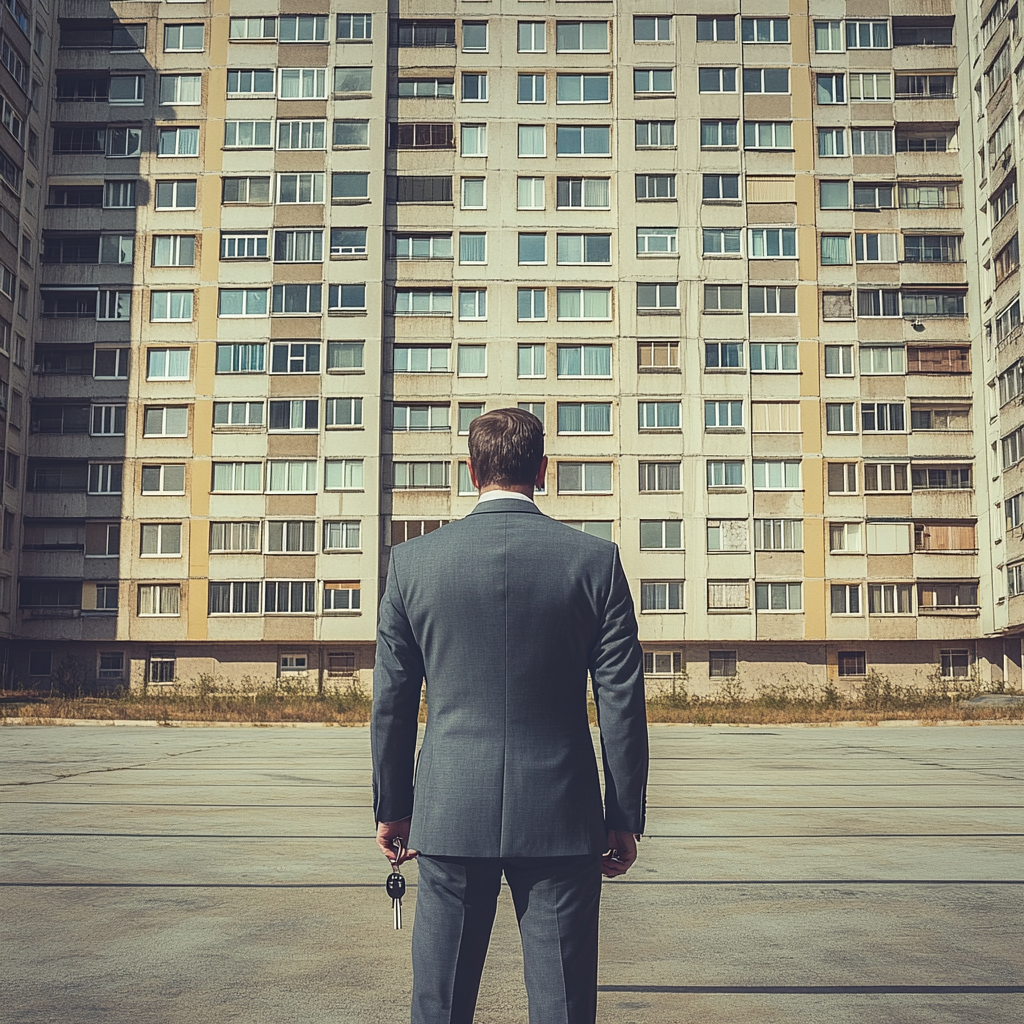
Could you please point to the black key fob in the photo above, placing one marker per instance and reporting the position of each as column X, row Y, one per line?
column 395, row 885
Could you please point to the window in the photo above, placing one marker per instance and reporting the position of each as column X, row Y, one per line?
column 888, row 538
column 467, row 413
column 661, row 535
column 835, row 250
column 301, row 134
column 584, row 478
column 122, row 90
column 727, row 535
column 472, row 303
column 421, row 476
column 531, row 361
column 714, row 29
column 160, row 599
column 535, row 409
column 584, row 193
column 768, row 243
column 341, row 536
column 291, row 536
column 421, row 135
column 723, row 414
column 723, row 355
column 242, row 190
column 584, row 303
column 174, row 250
column 1011, row 380
column 471, row 360
column 885, row 477
column 649, row 242
column 294, row 414
column 871, row 247
column 867, row 35
column 842, row 478
column 155, row 479
column 343, row 475
column 1004, row 200
column 343, row 412
column 947, row 595
column 582, row 360
column 649, row 29
column 234, row 598
column 165, row 421
column 341, row 597
column 955, row 663
column 721, row 664
column 350, row 27
column 291, row 476
column 721, row 241
column 777, row 534
column 933, row 303
column 723, row 298
column 845, row 538
column 474, row 36
column 651, row 80
column 659, row 415
column 655, row 186
column 659, row 477
column 237, row 414
column 767, row 135
column 933, row 478
column 583, row 140
column 655, row 134
column 845, row 599
column 661, row 596
column 772, row 299
column 584, row 418
column 765, row 30
column 531, row 304
column 530, row 193
column 302, row 83
column 882, row 417
column 351, row 134
column 1007, row 259
column 831, row 142
column 472, row 247
column 242, row 301
column 474, row 140
column 181, row 90
column 300, row 188
column 183, row 38
column 770, row 80
column 420, row 417
column 831, row 89
column 774, row 417
column 160, row 539
column 725, row 474
column 532, row 90
column 1015, row 579
column 297, row 298
column 940, row 419
column 298, row 246
column 774, row 357
column 728, row 595
column 946, row 536
column 532, row 140
column 1008, row 321
column 289, row 597
column 577, row 36
column 923, row 32
column 175, row 195
column 878, row 302
column 776, row 474
column 295, row 357
column 871, row 141
column 716, row 79
column 532, row 37
column 778, row 597
column 422, row 302
column 720, row 186
column 583, row 88
column 348, row 241
column 882, row 359
column 167, row 363
column 851, row 663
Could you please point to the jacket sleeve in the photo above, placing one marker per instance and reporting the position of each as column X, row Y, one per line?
column 617, row 674
column 397, row 682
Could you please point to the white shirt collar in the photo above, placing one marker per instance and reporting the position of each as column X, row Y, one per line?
column 495, row 495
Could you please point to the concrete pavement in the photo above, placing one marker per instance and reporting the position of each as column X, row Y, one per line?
column 193, row 876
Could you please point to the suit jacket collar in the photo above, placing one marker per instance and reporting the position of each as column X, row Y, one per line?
column 506, row 505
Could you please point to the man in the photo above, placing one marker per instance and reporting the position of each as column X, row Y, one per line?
column 503, row 614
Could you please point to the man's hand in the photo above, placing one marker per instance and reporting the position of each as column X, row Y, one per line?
column 620, row 856
column 388, row 832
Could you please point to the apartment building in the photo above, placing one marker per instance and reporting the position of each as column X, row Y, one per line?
column 279, row 256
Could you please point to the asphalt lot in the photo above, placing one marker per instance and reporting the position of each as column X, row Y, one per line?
column 789, row 876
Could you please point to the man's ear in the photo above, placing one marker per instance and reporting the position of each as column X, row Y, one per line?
column 542, row 473
column 472, row 474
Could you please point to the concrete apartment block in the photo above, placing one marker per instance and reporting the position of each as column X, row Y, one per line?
column 756, row 268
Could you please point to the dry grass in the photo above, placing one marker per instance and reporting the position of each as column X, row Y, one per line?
column 877, row 700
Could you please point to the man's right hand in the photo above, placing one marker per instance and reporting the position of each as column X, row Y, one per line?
column 388, row 832
column 620, row 856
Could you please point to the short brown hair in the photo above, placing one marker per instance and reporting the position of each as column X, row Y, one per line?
column 506, row 447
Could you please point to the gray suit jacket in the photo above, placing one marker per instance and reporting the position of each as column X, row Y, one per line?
column 504, row 613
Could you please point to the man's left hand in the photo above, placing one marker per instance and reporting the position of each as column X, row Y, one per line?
column 620, row 856
column 388, row 832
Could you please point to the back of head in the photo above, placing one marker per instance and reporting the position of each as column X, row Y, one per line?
column 506, row 447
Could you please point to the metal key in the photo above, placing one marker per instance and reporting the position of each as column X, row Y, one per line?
column 396, row 884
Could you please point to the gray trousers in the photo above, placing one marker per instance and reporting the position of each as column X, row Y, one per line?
column 557, row 900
